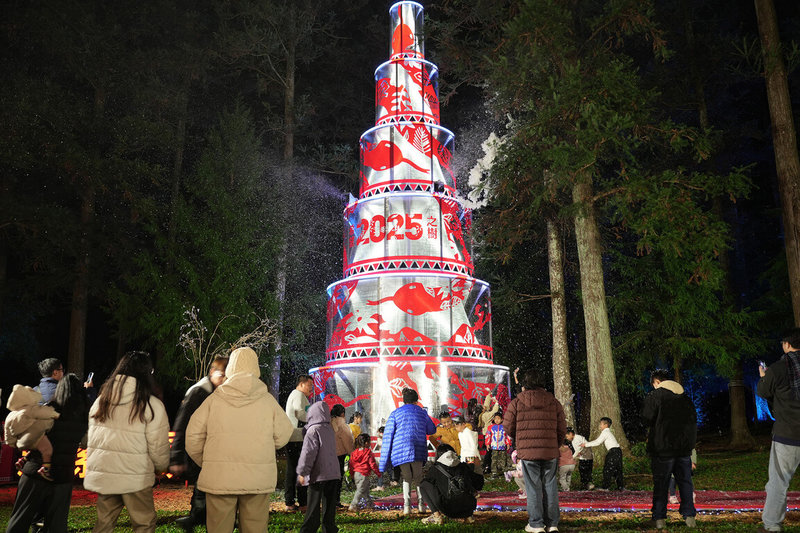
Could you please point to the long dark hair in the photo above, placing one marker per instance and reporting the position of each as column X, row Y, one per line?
column 70, row 397
column 135, row 365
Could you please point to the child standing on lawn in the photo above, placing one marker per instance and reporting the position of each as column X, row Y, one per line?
column 318, row 468
column 566, row 465
column 584, row 457
column 517, row 476
column 612, row 469
column 362, row 462
column 499, row 442
column 355, row 424
column 468, row 439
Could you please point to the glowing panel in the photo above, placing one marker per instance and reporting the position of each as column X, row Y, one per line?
column 408, row 312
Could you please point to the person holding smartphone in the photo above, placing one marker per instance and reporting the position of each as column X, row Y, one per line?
column 780, row 386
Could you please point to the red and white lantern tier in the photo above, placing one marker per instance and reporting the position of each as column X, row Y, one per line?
column 408, row 312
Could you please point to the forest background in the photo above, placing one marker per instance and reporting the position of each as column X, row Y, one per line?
column 174, row 175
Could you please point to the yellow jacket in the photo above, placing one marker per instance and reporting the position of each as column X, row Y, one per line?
column 449, row 436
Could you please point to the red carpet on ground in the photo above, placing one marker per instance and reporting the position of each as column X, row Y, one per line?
column 707, row 501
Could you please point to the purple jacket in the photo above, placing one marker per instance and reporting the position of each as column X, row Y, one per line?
column 318, row 461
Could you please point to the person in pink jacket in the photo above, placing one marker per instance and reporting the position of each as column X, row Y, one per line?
column 566, row 464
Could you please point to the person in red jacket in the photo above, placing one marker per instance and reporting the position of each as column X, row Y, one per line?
column 362, row 462
column 535, row 419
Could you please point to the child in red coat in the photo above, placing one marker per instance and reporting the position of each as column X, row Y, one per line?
column 362, row 462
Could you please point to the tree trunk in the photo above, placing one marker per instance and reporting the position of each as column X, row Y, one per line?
column 740, row 433
column 3, row 276
column 600, row 361
column 80, row 288
column 177, row 162
column 562, row 384
column 76, row 353
column 677, row 368
column 288, row 164
column 741, row 438
column 787, row 162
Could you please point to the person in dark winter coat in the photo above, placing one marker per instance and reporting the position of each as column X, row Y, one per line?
column 535, row 419
column 51, row 499
column 672, row 419
column 179, row 462
column 435, row 491
column 318, row 468
column 780, row 386
column 405, row 444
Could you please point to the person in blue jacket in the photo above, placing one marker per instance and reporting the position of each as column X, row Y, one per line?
column 405, row 444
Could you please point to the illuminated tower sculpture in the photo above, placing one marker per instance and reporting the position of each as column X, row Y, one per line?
column 408, row 312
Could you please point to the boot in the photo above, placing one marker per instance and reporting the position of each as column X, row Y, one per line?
column 197, row 513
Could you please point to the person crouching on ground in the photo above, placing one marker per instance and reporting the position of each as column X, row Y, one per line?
column 318, row 468
column 450, row 487
column 233, row 436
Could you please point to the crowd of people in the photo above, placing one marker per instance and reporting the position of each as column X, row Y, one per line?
column 229, row 427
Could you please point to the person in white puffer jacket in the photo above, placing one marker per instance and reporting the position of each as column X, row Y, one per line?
column 128, row 445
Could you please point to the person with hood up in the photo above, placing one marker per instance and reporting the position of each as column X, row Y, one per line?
column 535, row 419
column 438, row 492
column 233, row 436
column 318, row 468
column 672, row 422
column 128, row 445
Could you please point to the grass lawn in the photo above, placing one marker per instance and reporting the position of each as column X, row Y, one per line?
column 718, row 470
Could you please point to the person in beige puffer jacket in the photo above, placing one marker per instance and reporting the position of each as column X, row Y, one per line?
column 233, row 436
column 128, row 445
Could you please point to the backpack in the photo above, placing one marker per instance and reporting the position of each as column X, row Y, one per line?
column 459, row 487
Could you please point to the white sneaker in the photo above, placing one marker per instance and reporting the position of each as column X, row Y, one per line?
column 552, row 529
column 530, row 529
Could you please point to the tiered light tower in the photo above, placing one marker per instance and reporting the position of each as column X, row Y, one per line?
column 408, row 312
